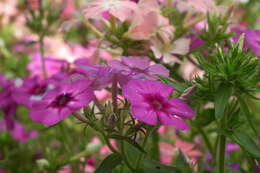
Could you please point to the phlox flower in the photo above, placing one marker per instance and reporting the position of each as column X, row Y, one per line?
column 19, row 133
column 31, row 89
column 137, row 67
column 53, row 65
column 253, row 40
column 60, row 102
column 168, row 50
column 202, row 6
column 151, row 104
column 147, row 22
column 121, row 9
column 99, row 76
column 7, row 103
column 187, row 148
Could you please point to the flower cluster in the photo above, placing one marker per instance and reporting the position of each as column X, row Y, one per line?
column 155, row 85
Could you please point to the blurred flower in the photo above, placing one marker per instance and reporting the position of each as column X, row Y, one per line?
column 167, row 51
column 121, row 9
column 187, row 148
column 138, row 68
column 7, row 103
column 31, row 89
column 99, row 76
column 18, row 132
column 202, row 6
column 151, row 104
column 69, row 8
column 234, row 166
column 60, row 102
column 167, row 152
column 230, row 147
column 189, row 71
column 53, row 65
column 252, row 38
column 22, row 135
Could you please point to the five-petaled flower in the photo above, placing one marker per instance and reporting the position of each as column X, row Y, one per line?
column 60, row 102
column 151, row 104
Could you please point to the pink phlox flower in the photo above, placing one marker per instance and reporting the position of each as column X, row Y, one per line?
column 202, row 6
column 53, row 65
column 151, row 104
column 187, row 148
column 138, row 68
column 168, row 50
column 60, row 102
column 30, row 90
column 99, row 76
column 121, row 9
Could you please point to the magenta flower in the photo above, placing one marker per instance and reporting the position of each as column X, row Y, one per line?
column 60, row 102
column 19, row 133
column 31, row 89
column 151, row 104
column 7, row 103
column 253, row 40
column 53, row 65
column 138, row 68
column 99, row 76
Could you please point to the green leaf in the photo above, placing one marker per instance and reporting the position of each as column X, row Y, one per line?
column 180, row 87
column 221, row 100
column 128, row 140
column 151, row 166
column 109, row 163
column 245, row 110
column 246, row 142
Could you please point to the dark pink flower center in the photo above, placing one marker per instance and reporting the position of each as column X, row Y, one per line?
column 62, row 100
column 156, row 101
column 38, row 89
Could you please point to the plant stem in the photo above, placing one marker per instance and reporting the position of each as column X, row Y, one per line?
column 222, row 148
column 149, row 132
column 207, row 141
column 43, row 65
column 114, row 93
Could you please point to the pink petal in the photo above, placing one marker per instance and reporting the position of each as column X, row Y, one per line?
column 144, row 114
column 180, row 108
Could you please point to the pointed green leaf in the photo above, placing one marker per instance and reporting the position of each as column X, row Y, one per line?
column 180, row 87
column 109, row 163
column 221, row 100
column 245, row 110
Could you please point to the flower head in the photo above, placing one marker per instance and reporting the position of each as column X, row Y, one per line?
column 30, row 90
column 139, row 68
column 60, row 102
column 151, row 104
column 121, row 9
column 168, row 50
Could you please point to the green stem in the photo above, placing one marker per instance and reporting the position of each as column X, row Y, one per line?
column 43, row 65
column 140, row 159
column 221, row 162
column 207, row 141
